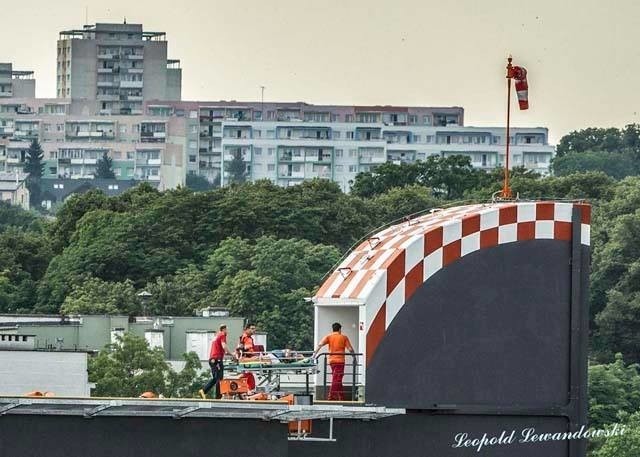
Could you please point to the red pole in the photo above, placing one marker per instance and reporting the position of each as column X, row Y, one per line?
column 506, row 190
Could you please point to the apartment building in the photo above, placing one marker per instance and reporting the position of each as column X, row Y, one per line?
column 119, row 94
column 117, row 65
column 16, row 83
column 290, row 142
column 74, row 138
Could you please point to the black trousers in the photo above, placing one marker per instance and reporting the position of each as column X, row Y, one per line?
column 217, row 374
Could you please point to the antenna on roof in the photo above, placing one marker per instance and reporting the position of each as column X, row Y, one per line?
column 125, row 19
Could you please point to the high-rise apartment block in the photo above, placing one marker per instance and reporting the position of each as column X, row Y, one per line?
column 119, row 94
column 17, row 84
column 118, row 65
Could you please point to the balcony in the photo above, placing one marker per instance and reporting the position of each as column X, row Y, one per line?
column 134, row 98
column 6, row 93
column 134, row 56
column 105, row 70
column 79, row 161
column 6, row 130
column 108, row 98
column 135, row 70
column 372, row 159
column 291, row 158
column 131, row 84
column 107, row 84
column 152, row 137
column 13, row 160
column 25, row 133
column 91, row 134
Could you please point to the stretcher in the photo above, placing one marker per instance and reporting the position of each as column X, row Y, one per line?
column 267, row 373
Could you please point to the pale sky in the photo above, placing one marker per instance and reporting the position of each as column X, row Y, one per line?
column 583, row 57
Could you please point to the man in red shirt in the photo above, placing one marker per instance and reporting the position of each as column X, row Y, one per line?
column 216, row 362
column 337, row 344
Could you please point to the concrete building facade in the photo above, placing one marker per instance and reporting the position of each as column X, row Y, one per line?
column 13, row 189
column 290, row 142
column 16, row 83
column 175, row 335
column 117, row 65
column 73, row 138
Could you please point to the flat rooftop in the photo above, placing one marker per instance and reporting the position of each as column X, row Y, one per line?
column 183, row 408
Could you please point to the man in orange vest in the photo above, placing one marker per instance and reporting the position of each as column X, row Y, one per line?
column 337, row 344
column 246, row 346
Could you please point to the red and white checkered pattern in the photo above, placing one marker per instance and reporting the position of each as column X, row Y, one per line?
column 384, row 271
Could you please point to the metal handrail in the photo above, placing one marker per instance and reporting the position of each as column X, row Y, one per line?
column 354, row 374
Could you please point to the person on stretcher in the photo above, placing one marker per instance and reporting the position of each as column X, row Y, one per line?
column 274, row 357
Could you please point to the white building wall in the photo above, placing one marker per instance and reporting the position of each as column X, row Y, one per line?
column 63, row 373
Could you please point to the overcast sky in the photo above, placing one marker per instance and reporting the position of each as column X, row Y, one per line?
column 583, row 57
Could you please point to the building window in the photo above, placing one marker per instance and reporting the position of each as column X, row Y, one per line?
column 193, row 144
column 271, row 133
column 413, row 119
column 58, row 186
column 349, row 135
column 192, row 158
column 353, row 168
column 271, row 167
column 338, row 152
column 123, row 129
column 257, row 115
column 339, row 168
column 353, row 153
column 271, row 151
column 113, row 187
column 257, row 133
column 258, row 151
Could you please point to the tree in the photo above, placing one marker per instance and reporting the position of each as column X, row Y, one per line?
column 237, row 168
column 590, row 139
column 104, row 167
column 386, row 176
column 15, row 216
column 130, row 367
column 615, row 164
column 618, row 325
column 198, row 183
column 95, row 296
column 614, row 389
column 450, row 176
column 181, row 294
column 33, row 161
column 623, row 445
column 35, row 168
column 403, row 201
